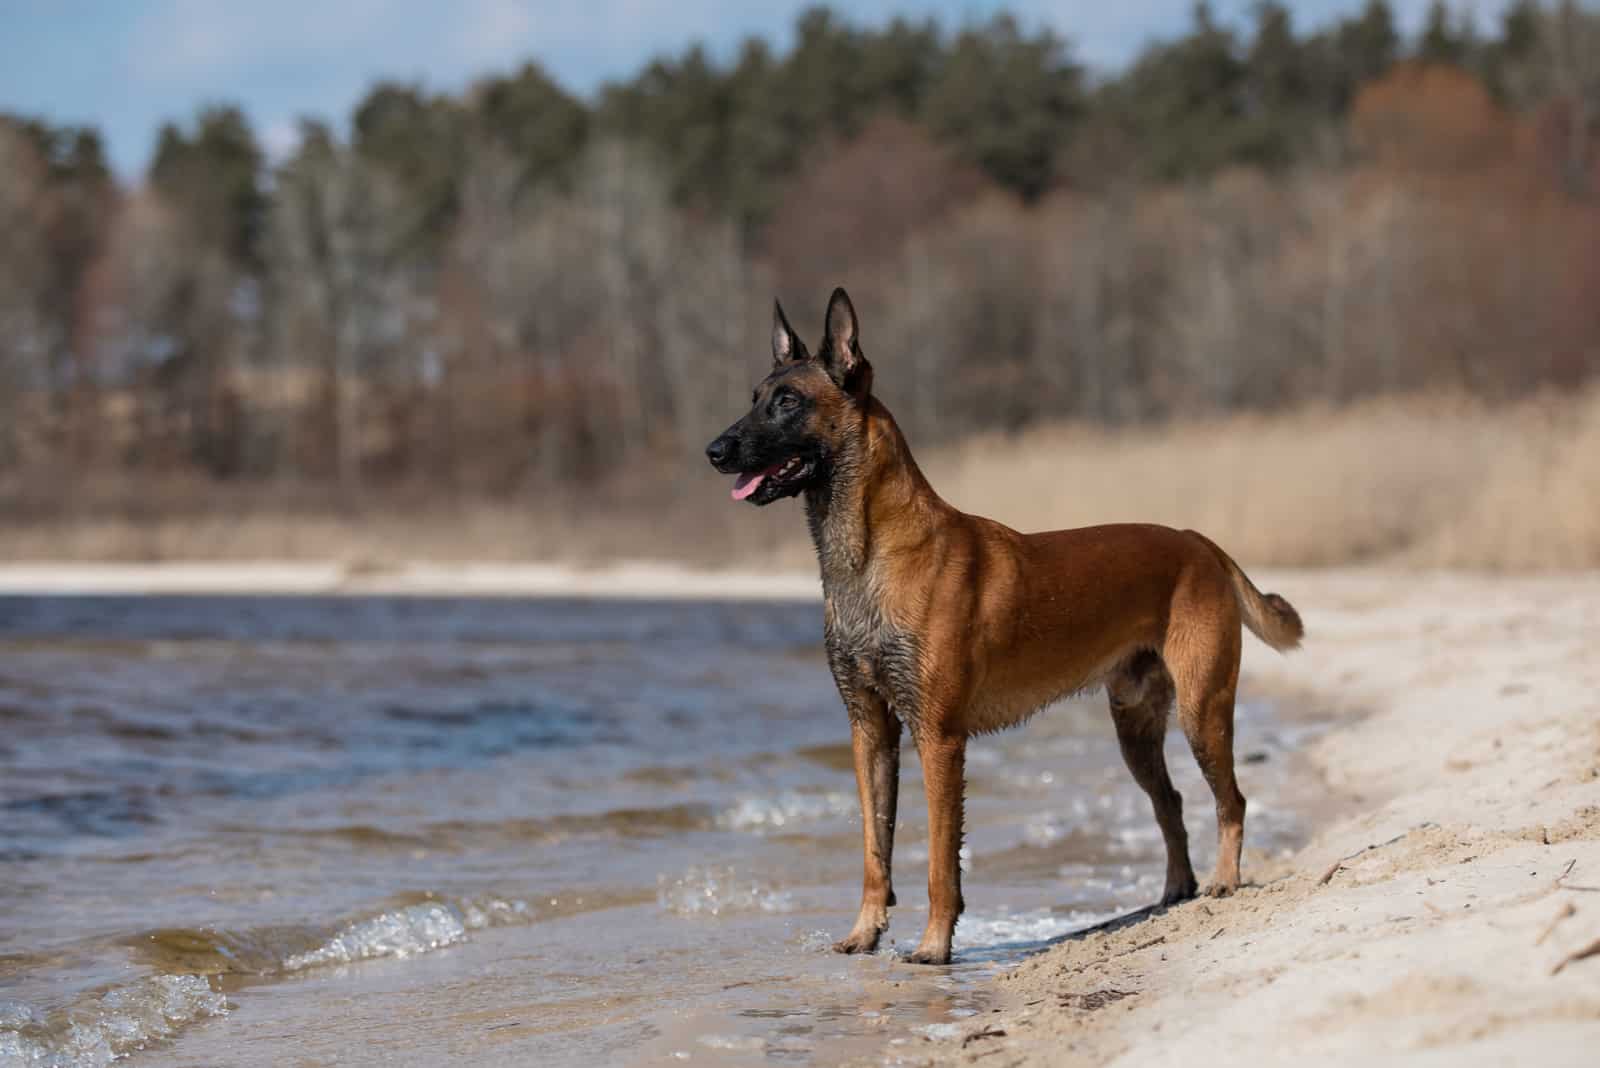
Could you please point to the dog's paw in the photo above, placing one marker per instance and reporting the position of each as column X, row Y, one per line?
column 1178, row 894
column 928, row 956
column 1219, row 889
column 856, row 942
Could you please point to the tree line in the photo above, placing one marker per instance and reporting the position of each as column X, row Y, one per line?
column 514, row 287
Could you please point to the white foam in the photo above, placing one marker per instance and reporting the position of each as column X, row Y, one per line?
column 98, row 1031
column 406, row 932
column 14, row 1016
column 1003, row 927
column 714, row 891
column 788, row 809
column 107, row 1026
column 815, row 941
column 400, row 933
column 477, row 913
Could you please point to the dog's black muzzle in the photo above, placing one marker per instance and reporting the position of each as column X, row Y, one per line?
column 724, row 452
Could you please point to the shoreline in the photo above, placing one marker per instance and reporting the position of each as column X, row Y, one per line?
column 1444, row 912
column 625, row 580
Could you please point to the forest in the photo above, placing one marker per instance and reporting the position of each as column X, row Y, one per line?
column 516, row 294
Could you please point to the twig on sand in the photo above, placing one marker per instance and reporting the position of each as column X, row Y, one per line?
column 987, row 1032
column 1328, row 875
column 1156, row 941
column 1590, row 950
column 1566, row 910
column 1573, row 886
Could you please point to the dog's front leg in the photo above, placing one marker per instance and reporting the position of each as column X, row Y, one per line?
column 944, row 757
column 875, row 743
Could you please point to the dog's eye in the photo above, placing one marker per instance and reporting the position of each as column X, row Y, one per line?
column 786, row 401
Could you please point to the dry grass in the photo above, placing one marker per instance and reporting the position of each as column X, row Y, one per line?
column 1425, row 482
column 1422, row 482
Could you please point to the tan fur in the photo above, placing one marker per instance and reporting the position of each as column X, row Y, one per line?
column 1004, row 623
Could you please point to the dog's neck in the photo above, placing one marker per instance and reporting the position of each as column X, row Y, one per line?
column 873, row 479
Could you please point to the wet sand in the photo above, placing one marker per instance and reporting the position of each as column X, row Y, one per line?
column 1443, row 919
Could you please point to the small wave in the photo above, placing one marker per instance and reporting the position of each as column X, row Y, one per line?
column 622, row 822
column 364, row 836
column 404, row 930
column 402, row 933
column 786, row 810
column 715, row 891
column 409, row 931
column 105, row 1026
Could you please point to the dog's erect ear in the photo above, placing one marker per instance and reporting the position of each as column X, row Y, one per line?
column 841, row 346
column 786, row 344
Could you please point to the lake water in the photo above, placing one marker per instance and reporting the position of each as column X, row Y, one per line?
column 415, row 831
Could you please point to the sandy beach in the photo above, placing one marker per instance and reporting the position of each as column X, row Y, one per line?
column 1448, row 913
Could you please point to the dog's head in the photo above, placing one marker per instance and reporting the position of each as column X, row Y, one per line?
column 802, row 415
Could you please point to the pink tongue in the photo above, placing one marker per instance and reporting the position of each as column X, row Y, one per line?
column 745, row 485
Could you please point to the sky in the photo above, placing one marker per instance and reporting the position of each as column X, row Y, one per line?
column 125, row 66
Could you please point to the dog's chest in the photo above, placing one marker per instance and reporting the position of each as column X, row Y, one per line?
column 865, row 650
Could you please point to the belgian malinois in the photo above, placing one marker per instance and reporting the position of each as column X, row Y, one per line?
column 953, row 625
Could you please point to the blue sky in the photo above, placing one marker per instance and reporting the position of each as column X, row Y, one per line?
column 127, row 65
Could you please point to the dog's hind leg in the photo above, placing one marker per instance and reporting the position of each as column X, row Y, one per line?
column 1205, row 669
column 875, row 744
column 1141, row 694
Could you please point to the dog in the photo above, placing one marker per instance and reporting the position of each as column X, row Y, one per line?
column 949, row 625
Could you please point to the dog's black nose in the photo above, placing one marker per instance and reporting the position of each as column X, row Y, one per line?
column 717, row 451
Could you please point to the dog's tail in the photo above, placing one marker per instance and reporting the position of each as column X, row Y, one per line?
column 1269, row 616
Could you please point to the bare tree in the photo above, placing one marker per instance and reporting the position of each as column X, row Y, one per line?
column 29, row 334
column 348, row 303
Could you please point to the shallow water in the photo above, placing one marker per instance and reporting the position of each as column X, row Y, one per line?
column 263, row 831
